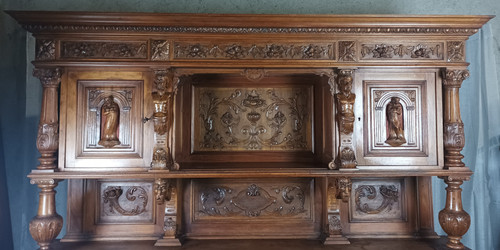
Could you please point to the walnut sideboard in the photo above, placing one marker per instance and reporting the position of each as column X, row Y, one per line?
column 206, row 126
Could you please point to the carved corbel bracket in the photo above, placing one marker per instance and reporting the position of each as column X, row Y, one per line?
column 453, row 131
column 346, row 158
column 344, row 185
column 163, row 190
column 47, row 224
column 453, row 219
column 48, row 127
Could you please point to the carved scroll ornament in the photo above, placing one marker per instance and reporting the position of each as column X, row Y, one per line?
column 390, row 194
column 135, row 194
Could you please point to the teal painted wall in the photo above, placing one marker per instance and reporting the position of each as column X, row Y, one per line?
column 20, row 93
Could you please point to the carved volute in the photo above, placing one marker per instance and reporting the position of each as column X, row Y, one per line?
column 454, row 138
column 48, row 128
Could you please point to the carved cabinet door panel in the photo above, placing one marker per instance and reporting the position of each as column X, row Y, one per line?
column 398, row 120
column 101, row 120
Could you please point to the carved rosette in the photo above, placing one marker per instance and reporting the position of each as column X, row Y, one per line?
column 453, row 219
column 45, row 227
column 48, row 127
column 344, row 185
column 160, row 50
column 45, row 50
column 454, row 137
column 347, row 51
column 345, row 99
column 162, row 99
column 456, row 51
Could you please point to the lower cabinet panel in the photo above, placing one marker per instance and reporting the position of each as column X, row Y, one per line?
column 251, row 208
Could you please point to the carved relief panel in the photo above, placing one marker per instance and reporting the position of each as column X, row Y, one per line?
column 377, row 200
column 256, row 119
column 125, row 202
column 398, row 112
column 252, row 199
column 107, row 114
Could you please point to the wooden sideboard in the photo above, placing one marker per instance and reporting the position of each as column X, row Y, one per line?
column 204, row 126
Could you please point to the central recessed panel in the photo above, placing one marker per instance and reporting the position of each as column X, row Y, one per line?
column 252, row 119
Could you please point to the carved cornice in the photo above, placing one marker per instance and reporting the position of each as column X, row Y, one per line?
column 49, row 77
column 38, row 28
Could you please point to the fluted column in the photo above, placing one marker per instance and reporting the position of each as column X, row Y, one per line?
column 47, row 224
column 48, row 127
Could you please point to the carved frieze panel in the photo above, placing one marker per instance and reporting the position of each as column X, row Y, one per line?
column 237, row 119
column 347, row 51
column 125, row 202
column 246, row 51
column 377, row 200
column 403, row 51
column 109, row 116
column 290, row 199
column 96, row 50
column 395, row 122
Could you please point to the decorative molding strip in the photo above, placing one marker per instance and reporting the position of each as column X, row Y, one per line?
column 309, row 51
column 37, row 28
column 74, row 49
column 427, row 51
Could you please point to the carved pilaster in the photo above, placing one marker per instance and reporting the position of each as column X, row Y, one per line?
column 162, row 118
column 454, row 138
column 48, row 128
column 334, row 225
column 166, row 194
column 453, row 219
column 344, row 185
column 345, row 99
column 47, row 224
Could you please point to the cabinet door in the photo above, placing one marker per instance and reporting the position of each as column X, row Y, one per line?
column 101, row 120
column 398, row 121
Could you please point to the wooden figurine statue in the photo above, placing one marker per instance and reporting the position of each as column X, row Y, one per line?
column 395, row 123
column 110, row 120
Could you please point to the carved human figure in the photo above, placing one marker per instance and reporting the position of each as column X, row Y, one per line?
column 110, row 120
column 345, row 101
column 395, row 123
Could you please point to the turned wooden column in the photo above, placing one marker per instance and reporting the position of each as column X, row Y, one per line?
column 453, row 219
column 47, row 224
column 48, row 129
column 454, row 138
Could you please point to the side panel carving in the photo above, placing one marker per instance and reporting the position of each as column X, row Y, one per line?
column 233, row 51
column 125, row 202
column 377, row 200
column 228, row 119
column 258, row 200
